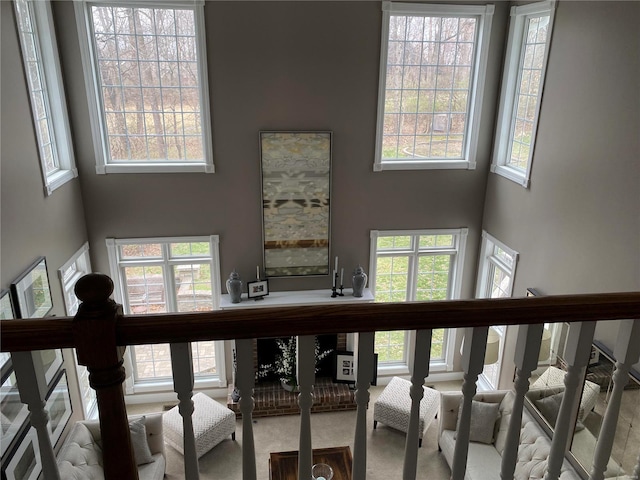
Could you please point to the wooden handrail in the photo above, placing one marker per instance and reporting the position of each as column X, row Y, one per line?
column 57, row 332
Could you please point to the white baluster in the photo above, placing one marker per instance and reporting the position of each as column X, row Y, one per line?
column 636, row 471
column 420, row 371
column 526, row 360
column 182, row 365
column 626, row 353
column 475, row 344
column 32, row 387
column 363, row 381
column 305, row 365
column 245, row 383
column 577, row 354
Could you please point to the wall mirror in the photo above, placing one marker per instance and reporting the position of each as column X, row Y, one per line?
column 545, row 396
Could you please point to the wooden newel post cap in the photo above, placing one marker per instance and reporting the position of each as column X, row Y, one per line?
column 94, row 288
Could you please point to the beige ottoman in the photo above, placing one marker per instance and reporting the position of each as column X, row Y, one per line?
column 393, row 407
column 212, row 423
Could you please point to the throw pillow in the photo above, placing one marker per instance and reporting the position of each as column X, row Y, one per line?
column 549, row 408
column 483, row 421
column 139, row 441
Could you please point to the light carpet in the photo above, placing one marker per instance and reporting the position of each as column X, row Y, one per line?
column 385, row 446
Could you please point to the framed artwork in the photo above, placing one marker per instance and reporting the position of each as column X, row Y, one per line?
column 31, row 292
column 6, row 307
column 51, row 363
column 296, row 174
column 6, row 313
column 58, row 406
column 258, row 289
column 13, row 413
column 345, row 368
column 24, row 463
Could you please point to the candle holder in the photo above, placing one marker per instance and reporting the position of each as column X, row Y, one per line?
column 334, row 289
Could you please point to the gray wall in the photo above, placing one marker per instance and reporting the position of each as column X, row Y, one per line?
column 577, row 228
column 32, row 223
column 283, row 65
column 314, row 65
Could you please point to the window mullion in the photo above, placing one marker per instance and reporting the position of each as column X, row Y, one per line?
column 169, row 280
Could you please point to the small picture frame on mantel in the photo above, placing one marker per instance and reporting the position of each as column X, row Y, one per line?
column 258, row 289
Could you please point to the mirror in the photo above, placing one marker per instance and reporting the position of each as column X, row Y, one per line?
column 626, row 444
column 546, row 392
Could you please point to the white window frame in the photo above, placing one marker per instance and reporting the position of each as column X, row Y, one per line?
column 96, row 109
column 455, row 287
column 80, row 262
column 487, row 262
column 484, row 14
column 47, row 59
column 115, row 266
column 510, row 82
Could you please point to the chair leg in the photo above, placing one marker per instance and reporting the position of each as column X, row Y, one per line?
column 375, row 424
column 419, row 443
column 233, row 436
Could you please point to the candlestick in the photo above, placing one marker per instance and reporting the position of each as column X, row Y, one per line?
column 333, row 278
column 336, row 267
column 258, row 272
column 341, row 276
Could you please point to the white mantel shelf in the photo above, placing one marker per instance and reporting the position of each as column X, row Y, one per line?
column 293, row 298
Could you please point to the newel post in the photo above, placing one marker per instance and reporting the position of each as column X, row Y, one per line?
column 94, row 331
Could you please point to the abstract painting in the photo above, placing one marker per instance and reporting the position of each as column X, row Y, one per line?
column 296, row 175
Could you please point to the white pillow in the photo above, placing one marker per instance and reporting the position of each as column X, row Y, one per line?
column 139, row 441
column 483, row 421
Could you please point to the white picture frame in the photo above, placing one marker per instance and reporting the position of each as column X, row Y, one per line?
column 58, row 406
column 25, row 463
column 13, row 413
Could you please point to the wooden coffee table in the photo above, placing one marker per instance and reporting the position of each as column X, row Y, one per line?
column 284, row 465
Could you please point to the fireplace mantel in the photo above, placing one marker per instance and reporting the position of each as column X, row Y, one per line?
column 292, row 298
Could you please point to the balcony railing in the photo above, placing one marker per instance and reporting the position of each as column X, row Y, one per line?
column 100, row 332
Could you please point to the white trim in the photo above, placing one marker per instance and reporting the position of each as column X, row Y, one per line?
column 94, row 97
column 54, row 101
column 457, row 251
column 166, row 260
column 510, row 81
column 81, row 256
column 484, row 14
column 484, row 282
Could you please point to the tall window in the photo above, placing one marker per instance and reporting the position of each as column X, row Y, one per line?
column 46, row 92
column 147, row 81
column 76, row 267
column 524, row 73
column 495, row 280
column 160, row 275
column 432, row 67
column 421, row 265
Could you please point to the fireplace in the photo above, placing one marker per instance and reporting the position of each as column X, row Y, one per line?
column 271, row 399
column 267, row 350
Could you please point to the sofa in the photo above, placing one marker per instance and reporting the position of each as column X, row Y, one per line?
column 80, row 457
column 490, row 421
